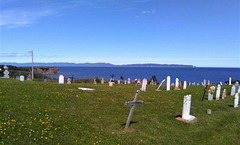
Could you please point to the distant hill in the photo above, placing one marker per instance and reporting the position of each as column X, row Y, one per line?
column 65, row 64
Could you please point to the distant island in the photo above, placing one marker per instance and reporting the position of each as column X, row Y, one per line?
column 65, row 64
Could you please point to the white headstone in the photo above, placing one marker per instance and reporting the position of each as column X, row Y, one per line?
column 21, row 78
column 208, row 82
column 125, row 82
column 119, row 82
column 168, row 83
column 186, row 108
column 110, row 84
column 233, row 90
column 177, row 84
column 218, row 92
column 204, row 82
column 129, row 81
column 144, row 85
column 236, row 100
column 69, row 81
column 61, row 79
column 210, row 96
column 6, row 72
column 230, row 81
column 185, row 85
column 102, row 81
column 94, row 81
column 224, row 94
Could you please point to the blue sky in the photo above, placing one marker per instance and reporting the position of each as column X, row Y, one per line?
column 204, row 33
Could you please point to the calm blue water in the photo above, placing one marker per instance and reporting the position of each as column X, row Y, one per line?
column 215, row 75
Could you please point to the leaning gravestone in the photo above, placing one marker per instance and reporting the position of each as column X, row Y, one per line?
column 21, row 78
column 186, row 117
column 133, row 104
column 218, row 92
column 144, row 85
column 185, row 85
column 61, row 79
column 177, row 84
column 6, row 72
column 233, row 90
column 161, row 85
column 236, row 100
column 168, row 83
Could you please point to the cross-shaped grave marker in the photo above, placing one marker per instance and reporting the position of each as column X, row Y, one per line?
column 133, row 104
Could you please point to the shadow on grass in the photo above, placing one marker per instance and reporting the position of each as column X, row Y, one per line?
column 132, row 122
column 230, row 106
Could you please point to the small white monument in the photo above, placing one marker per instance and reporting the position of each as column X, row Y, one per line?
column 144, row 85
column 61, row 79
column 218, row 92
column 204, row 82
column 168, row 83
column 230, row 81
column 208, row 82
column 186, row 117
column 236, row 100
column 210, row 96
column 119, row 81
column 177, row 84
column 110, row 84
column 21, row 78
column 102, row 81
column 224, row 94
column 69, row 81
column 129, row 81
column 185, row 85
column 233, row 90
column 6, row 72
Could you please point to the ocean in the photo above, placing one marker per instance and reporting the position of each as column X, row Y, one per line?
column 198, row 74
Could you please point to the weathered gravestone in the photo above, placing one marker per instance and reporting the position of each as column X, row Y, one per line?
column 224, row 94
column 204, row 83
column 6, row 72
column 94, row 81
column 210, row 93
column 21, row 78
column 168, row 83
column 102, row 81
column 186, row 117
column 133, row 105
column 69, row 81
column 185, row 85
column 129, row 81
column 125, row 82
column 208, row 82
column 233, row 90
column 161, row 85
column 236, row 100
column 218, row 92
column 144, row 85
column 236, row 86
column 230, row 81
column 110, row 83
column 119, row 81
column 61, row 79
column 177, row 84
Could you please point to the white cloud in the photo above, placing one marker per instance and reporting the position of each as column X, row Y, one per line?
column 149, row 12
column 14, row 54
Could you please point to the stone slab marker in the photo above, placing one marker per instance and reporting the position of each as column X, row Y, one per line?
column 102, row 81
column 236, row 100
column 133, row 104
column 168, row 83
column 230, row 81
column 210, row 96
column 177, row 84
column 21, row 78
column 61, row 79
column 224, row 94
column 186, row 117
column 185, row 85
column 204, row 82
column 233, row 90
column 208, row 82
column 144, row 85
column 129, row 81
column 6, row 72
column 161, row 85
column 218, row 92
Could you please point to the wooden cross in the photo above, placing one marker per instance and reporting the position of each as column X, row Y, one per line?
column 133, row 104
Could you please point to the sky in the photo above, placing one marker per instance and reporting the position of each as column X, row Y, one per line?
column 203, row 33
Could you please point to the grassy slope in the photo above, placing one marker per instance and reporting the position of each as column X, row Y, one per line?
column 49, row 113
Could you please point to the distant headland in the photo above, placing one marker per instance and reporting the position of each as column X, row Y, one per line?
column 65, row 64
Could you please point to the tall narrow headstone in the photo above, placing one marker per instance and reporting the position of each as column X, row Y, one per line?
column 233, row 90
column 144, row 85
column 186, row 108
column 236, row 100
column 204, row 83
column 119, row 82
column 177, row 84
column 168, row 83
column 185, row 85
column 236, row 87
column 102, row 81
column 230, row 81
column 224, row 94
column 210, row 96
column 218, row 92
column 61, row 79
column 208, row 82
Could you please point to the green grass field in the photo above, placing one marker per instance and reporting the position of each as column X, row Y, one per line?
column 34, row 112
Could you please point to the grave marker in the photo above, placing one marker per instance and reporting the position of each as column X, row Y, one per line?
column 133, row 104
column 161, row 85
column 208, row 82
column 236, row 100
column 102, row 81
column 168, row 83
column 186, row 117
column 204, row 82
column 6, row 72
column 230, row 81
column 144, row 85
column 185, row 85
column 22, row 78
column 177, row 84
column 233, row 90
column 224, row 94
column 61, row 79
column 129, row 81
column 218, row 92
column 69, row 81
